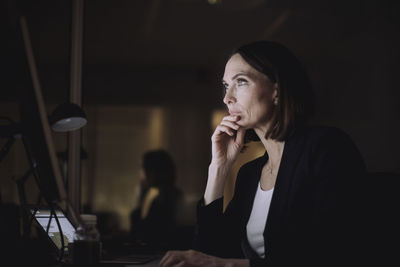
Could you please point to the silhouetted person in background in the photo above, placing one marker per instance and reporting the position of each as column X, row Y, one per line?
column 153, row 222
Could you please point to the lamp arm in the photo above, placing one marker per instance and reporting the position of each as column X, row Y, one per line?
column 6, row 148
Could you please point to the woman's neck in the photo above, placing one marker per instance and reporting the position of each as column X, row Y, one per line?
column 274, row 148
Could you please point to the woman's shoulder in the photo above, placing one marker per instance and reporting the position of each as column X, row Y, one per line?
column 321, row 139
column 322, row 133
column 309, row 138
column 312, row 135
column 319, row 130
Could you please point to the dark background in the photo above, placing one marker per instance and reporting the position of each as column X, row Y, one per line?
column 138, row 47
column 171, row 54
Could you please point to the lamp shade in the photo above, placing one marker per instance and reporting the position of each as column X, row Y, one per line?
column 67, row 117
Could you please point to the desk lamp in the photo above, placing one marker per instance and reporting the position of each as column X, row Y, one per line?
column 67, row 117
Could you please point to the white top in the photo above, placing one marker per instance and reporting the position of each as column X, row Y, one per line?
column 258, row 218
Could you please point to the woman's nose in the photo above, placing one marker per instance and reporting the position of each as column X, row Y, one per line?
column 229, row 97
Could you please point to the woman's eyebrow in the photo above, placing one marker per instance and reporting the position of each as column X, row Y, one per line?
column 239, row 74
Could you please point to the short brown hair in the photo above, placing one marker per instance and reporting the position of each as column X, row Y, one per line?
column 159, row 165
column 295, row 93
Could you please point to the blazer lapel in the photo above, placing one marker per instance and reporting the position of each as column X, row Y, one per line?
column 278, row 207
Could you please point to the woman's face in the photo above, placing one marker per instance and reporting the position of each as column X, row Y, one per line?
column 249, row 93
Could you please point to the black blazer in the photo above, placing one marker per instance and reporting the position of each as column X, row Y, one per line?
column 314, row 215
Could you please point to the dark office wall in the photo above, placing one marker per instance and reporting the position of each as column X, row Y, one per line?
column 357, row 90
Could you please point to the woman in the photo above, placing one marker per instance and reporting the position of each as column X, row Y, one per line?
column 153, row 222
column 296, row 205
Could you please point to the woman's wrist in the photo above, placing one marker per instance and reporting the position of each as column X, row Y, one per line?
column 217, row 175
column 220, row 168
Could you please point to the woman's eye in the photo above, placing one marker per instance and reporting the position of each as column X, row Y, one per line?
column 241, row 82
column 225, row 86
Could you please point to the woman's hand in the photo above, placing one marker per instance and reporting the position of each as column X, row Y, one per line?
column 227, row 141
column 192, row 258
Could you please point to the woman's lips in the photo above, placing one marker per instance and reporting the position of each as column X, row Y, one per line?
column 233, row 113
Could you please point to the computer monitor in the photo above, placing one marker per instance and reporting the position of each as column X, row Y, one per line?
column 36, row 129
column 45, row 220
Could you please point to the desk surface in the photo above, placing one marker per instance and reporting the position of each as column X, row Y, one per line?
column 133, row 261
column 153, row 263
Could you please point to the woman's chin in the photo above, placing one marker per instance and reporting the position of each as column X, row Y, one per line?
column 244, row 125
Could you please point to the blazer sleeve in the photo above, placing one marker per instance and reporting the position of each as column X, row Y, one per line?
column 215, row 232
column 338, row 173
column 207, row 224
column 219, row 232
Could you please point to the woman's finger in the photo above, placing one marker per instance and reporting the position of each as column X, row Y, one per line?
column 240, row 136
column 181, row 264
column 223, row 129
column 167, row 260
column 230, row 124
column 174, row 259
column 231, row 118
